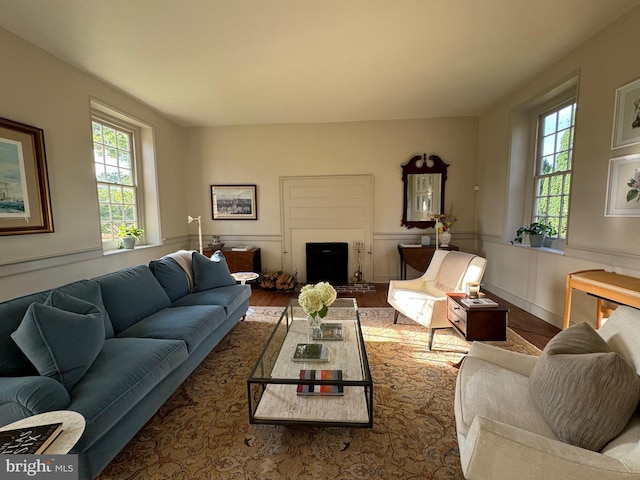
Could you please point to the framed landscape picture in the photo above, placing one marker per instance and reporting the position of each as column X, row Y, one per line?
column 623, row 188
column 25, row 203
column 626, row 126
column 234, row 202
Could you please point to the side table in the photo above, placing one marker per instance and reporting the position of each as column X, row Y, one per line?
column 72, row 428
column 483, row 324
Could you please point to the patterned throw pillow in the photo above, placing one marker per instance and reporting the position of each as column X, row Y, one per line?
column 585, row 392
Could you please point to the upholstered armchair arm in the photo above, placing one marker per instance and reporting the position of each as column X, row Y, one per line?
column 498, row 451
column 514, row 361
column 21, row 397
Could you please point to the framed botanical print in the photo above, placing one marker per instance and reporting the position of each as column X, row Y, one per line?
column 25, row 203
column 623, row 188
column 626, row 126
column 234, row 202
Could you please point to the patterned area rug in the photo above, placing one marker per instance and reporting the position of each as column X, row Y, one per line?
column 203, row 432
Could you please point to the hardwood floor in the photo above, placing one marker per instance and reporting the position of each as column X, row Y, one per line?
column 533, row 329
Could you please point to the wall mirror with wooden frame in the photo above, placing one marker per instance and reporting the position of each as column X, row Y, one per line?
column 423, row 197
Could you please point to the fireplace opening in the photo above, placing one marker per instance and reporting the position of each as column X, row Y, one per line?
column 328, row 262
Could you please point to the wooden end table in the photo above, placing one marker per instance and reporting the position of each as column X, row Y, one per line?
column 482, row 324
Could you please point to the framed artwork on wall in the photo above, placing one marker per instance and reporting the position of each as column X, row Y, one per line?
column 626, row 119
column 234, row 202
column 623, row 187
column 25, row 203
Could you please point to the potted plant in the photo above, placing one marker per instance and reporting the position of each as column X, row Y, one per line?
column 537, row 232
column 129, row 235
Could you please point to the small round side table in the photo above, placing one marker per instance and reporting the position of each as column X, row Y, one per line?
column 72, row 428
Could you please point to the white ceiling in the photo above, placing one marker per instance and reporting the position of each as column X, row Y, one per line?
column 225, row 62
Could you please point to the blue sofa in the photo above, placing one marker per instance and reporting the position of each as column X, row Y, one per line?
column 114, row 348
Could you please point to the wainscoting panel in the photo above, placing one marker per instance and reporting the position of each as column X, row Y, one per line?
column 326, row 209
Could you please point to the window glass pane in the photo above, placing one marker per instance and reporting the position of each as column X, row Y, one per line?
column 563, row 140
column 105, row 213
column 111, row 157
column 123, row 141
column 547, row 165
column 103, row 193
column 125, row 177
column 109, row 135
column 565, row 117
column 124, row 159
column 550, row 123
column 543, row 186
column 101, row 175
column 97, row 132
column 548, row 145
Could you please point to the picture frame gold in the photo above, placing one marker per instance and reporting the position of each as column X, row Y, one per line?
column 25, row 201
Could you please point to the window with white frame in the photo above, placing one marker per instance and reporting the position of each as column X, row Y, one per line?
column 554, row 162
column 114, row 156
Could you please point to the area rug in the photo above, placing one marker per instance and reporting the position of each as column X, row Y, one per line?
column 203, row 432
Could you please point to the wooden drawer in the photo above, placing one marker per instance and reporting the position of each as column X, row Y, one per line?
column 457, row 316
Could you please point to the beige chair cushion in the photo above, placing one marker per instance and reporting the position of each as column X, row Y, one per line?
column 585, row 392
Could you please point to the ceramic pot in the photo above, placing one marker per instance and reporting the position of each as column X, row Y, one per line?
column 444, row 238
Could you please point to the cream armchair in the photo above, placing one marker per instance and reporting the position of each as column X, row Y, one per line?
column 502, row 435
column 424, row 299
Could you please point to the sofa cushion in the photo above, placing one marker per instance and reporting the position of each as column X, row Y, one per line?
column 586, row 392
column 190, row 324
column 131, row 294
column 61, row 337
column 124, row 372
column 209, row 274
column 171, row 276
column 12, row 360
column 230, row 297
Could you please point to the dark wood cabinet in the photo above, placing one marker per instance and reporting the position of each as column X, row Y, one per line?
column 240, row 261
column 483, row 324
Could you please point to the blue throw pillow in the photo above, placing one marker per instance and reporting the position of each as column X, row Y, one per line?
column 61, row 337
column 208, row 274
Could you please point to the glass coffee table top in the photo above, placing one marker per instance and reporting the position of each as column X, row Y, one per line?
column 275, row 380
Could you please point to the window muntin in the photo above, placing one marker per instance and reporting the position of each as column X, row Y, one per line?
column 554, row 162
column 114, row 161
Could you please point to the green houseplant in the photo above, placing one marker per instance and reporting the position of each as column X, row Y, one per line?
column 537, row 232
column 128, row 236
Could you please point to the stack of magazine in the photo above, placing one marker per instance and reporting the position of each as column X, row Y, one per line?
column 478, row 302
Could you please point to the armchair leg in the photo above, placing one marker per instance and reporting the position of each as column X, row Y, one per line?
column 395, row 317
column 432, row 332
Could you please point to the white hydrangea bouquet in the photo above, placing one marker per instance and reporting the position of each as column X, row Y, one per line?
column 315, row 301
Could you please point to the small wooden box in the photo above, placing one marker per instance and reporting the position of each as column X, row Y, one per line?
column 483, row 324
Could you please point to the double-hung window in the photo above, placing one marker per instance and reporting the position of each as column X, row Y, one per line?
column 554, row 162
column 114, row 156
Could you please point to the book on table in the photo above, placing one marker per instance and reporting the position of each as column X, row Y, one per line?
column 320, row 390
column 241, row 248
column 311, row 352
column 478, row 303
column 32, row 440
column 328, row 331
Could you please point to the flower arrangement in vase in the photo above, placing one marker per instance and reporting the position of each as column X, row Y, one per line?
column 315, row 301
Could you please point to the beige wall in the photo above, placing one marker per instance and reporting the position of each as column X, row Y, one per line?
column 262, row 154
column 40, row 90
column 535, row 279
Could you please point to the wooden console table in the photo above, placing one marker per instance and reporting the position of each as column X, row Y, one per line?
column 610, row 286
column 240, row 261
column 417, row 257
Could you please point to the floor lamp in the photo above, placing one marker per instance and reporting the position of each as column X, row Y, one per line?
column 198, row 219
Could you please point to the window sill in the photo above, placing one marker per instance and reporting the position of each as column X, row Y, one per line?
column 555, row 251
column 116, row 251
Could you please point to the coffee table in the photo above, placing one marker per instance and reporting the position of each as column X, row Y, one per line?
column 272, row 384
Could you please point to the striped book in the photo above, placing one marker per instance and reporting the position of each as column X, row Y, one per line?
column 312, row 389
